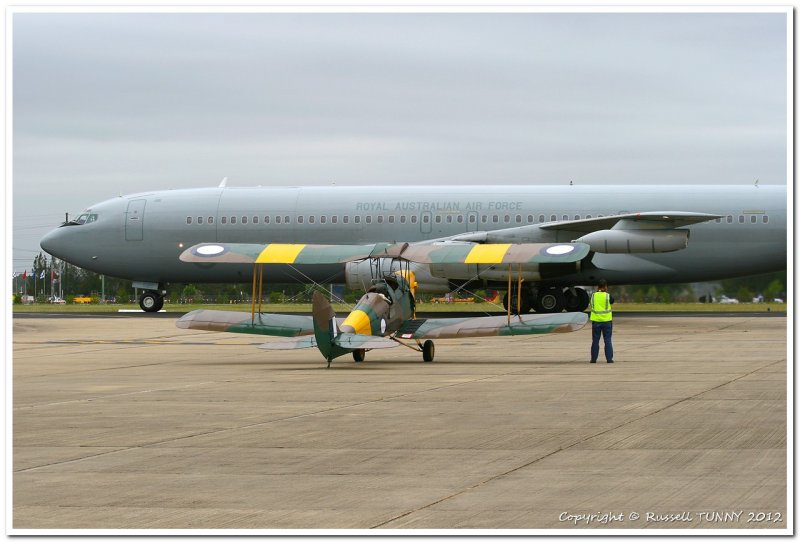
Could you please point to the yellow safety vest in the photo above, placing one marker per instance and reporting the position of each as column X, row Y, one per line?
column 601, row 307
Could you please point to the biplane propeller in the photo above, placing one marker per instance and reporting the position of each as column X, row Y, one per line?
column 385, row 315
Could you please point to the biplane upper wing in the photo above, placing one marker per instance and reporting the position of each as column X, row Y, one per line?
column 489, row 326
column 439, row 252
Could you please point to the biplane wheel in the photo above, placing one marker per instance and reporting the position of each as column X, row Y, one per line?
column 427, row 351
column 549, row 300
column 359, row 355
column 151, row 302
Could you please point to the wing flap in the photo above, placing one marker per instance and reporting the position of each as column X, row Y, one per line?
column 293, row 343
column 356, row 341
column 489, row 326
column 647, row 220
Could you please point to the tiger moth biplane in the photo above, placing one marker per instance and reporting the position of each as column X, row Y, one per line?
column 385, row 315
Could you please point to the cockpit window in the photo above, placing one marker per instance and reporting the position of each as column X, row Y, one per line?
column 85, row 218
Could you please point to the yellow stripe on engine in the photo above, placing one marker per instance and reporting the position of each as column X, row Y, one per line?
column 279, row 253
column 487, row 253
column 359, row 321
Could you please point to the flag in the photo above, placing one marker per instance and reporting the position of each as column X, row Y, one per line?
column 41, row 276
column 25, row 275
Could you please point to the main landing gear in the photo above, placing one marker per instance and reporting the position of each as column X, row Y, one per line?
column 549, row 300
column 151, row 301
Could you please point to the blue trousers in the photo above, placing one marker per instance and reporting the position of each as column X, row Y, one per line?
column 603, row 328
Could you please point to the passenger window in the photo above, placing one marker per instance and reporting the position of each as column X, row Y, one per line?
column 368, row 219
column 300, row 219
column 449, row 219
column 402, row 219
column 413, row 219
column 564, row 217
column 577, row 217
column 380, row 219
column 753, row 219
column 588, row 216
column 311, row 219
column 472, row 219
column 460, row 219
column 255, row 220
column 541, row 218
column 729, row 219
column 224, row 219
column 518, row 219
column 266, row 219
column 391, row 219
column 530, row 219
column 188, row 220
column 507, row 219
column 233, row 220
column 244, row 220
column 323, row 219
column 211, row 220
column 718, row 220
column 357, row 219
column 741, row 219
column 484, row 219
column 277, row 219
column 765, row 219
column 334, row 219
column 495, row 219
column 437, row 219
column 286, row 219
column 199, row 219
column 346, row 219
column 426, row 219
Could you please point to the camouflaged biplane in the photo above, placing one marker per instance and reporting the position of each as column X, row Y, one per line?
column 385, row 316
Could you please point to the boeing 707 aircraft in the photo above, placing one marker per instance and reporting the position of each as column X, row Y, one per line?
column 637, row 234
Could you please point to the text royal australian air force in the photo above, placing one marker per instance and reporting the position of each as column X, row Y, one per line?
column 439, row 206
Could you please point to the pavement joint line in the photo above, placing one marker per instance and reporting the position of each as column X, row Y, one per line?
column 247, row 426
column 562, row 448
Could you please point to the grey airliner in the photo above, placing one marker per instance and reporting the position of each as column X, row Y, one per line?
column 637, row 234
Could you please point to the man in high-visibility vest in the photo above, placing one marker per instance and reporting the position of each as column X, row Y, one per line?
column 600, row 304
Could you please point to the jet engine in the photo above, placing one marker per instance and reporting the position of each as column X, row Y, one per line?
column 359, row 275
column 636, row 241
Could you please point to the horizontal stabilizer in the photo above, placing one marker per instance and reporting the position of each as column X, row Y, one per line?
column 488, row 326
column 292, row 343
column 355, row 341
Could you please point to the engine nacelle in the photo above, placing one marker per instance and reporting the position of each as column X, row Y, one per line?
column 636, row 241
column 359, row 275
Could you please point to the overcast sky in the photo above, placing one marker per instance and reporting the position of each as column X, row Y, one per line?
column 106, row 104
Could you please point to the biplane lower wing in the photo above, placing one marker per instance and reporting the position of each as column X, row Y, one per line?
column 492, row 326
column 279, row 325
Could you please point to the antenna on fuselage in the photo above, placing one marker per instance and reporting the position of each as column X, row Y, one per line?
column 223, row 183
column 756, row 183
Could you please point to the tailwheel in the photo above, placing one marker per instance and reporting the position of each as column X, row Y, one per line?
column 428, row 350
column 359, row 355
column 151, row 301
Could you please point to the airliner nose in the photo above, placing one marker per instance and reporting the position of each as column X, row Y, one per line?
column 50, row 243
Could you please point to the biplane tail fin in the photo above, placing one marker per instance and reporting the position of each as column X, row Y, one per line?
column 325, row 327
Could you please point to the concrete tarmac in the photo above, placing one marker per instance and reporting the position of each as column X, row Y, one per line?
column 132, row 423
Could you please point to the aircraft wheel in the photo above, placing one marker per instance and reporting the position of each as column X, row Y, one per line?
column 577, row 302
column 549, row 300
column 151, row 302
column 427, row 351
column 524, row 306
column 359, row 355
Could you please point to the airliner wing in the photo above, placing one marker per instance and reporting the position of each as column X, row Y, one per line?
column 488, row 326
column 446, row 252
column 648, row 220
